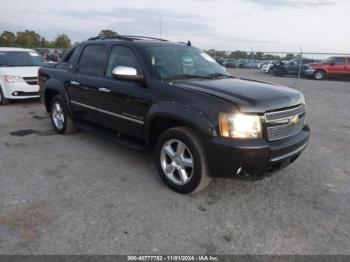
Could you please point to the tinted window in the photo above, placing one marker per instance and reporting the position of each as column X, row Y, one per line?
column 20, row 58
column 339, row 61
column 92, row 61
column 348, row 60
column 122, row 56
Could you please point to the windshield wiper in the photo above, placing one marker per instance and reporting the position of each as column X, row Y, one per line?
column 187, row 76
column 217, row 75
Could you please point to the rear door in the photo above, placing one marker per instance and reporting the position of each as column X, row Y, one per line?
column 337, row 66
column 84, row 83
column 123, row 104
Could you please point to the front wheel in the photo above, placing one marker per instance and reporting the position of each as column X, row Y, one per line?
column 181, row 160
column 319, row 75
column 61, row 121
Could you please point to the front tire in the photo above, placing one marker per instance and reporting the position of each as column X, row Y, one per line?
column 3, row 99
column 181, row 160
column 61, row 121
column 319, row 75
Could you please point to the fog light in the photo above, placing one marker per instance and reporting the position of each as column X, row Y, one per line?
column 15, row 93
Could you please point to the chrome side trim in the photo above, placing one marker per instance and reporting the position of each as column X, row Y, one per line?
column 108, row 112
column 120, row 116
column 83, row 105
column 290, row 153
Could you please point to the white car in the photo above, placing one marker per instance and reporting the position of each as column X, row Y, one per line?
column 18, row 73
column 266, row 67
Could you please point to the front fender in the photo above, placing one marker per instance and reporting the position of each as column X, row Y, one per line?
column 185, row 114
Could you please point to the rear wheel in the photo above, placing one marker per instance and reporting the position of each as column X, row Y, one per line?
column 319, row 74
column 3, row 99
column 61, row 121
column 181, row 160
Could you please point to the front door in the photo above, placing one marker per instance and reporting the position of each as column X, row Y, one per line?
column 122, row 104
column 337, row 66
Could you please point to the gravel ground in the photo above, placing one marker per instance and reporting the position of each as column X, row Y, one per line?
column 81, row 194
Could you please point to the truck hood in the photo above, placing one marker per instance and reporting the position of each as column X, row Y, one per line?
column 249, row 95
column 23, row 71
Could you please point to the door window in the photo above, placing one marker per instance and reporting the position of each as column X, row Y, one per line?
column 122, row 56
column 339, row 61
column 92, row 61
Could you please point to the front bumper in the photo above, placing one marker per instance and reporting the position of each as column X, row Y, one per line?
column 20, row 91
column 309, row 72
column 254, row 158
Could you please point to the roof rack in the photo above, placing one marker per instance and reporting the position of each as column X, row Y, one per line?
column 126, row 37
column 134, row 37
column 188, row 43
column 138, row 37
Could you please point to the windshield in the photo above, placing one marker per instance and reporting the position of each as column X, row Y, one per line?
column 171, row 62
column 20, row 58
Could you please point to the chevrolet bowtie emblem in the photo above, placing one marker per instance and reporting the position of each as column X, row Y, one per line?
column 294, row 120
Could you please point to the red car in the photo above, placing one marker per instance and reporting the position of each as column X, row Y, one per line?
column 332, row 67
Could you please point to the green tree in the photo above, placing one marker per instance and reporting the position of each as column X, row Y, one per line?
column 108, row 33
column 28, row 39
column 62, row 41
column 239, row 55
column 259, row 56
column 44, row 42
column 7, row 38
column 289, row 57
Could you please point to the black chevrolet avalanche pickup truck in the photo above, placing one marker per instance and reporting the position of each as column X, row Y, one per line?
column 175, row 100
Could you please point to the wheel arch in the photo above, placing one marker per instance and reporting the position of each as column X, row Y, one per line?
column 323, row 70
column 53, row 88
column 168, row 115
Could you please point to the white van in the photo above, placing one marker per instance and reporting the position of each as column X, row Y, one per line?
column 18, row 73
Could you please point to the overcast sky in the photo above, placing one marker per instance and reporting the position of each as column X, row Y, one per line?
column 265, row 25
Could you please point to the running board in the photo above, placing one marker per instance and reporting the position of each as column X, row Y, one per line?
column 115, row 136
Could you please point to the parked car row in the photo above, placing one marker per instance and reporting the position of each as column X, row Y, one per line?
column 240, row 63
column 332, row 67
column 52, row 54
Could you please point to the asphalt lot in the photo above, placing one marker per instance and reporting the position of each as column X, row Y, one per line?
column 81, row 194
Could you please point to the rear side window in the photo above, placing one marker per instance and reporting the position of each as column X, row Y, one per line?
column 339, row 61
column 92, row 60
column 122, row 56
column 348, row 60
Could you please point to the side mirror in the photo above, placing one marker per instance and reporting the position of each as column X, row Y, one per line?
column 127, row 73
column 332, row 64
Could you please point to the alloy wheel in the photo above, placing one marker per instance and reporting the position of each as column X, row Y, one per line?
column 319, row 75
column 177, row 162
column 58, row 115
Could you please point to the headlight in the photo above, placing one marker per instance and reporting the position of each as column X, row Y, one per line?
column 13, row 79
column 240, row 126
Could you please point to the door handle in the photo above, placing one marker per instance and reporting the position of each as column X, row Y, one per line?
column 105, row 90
column 74, row 83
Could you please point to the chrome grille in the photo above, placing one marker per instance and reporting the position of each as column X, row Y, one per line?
column 285, row 113
column 280, row 124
